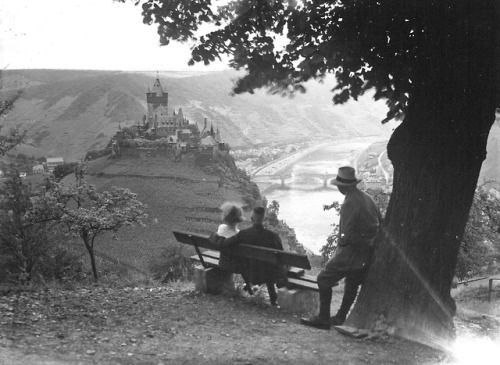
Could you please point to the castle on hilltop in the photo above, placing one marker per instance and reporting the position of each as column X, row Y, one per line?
column 176, row 128
column 171, row 135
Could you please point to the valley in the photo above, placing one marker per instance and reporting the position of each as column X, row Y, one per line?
column 69, row 113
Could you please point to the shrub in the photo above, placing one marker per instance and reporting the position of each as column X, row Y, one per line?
column 93, row 154
column 173, row 263
column 62, row 170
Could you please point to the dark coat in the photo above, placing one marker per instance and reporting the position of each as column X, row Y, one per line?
column 259, row 272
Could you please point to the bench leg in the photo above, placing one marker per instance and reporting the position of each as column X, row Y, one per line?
column 299, row 300
column 212, row 280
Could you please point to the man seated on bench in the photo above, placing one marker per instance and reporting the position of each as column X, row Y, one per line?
column 259, row 272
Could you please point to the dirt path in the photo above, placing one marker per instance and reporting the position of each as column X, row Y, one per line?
column 172, row 326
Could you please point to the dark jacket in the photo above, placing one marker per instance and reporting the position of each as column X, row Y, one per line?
column 259, row 272
column 359, row 224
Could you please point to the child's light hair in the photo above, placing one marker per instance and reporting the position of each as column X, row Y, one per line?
column 231, row 213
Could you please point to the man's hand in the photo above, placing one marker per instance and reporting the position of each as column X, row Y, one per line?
column 213, row 237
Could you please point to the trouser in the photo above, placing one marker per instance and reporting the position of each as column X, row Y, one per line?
column 327, row 278
column 271, row 289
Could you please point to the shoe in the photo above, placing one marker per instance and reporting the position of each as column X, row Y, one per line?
column 274, row 303
column 336, row 320
column 317, row 322
column 248, row 289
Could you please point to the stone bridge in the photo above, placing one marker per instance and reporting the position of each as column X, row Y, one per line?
column 325, row 177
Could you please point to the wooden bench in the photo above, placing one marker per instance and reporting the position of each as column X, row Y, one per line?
column 297, row 263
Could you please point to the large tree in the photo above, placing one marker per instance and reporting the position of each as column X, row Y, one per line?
column 436, row 63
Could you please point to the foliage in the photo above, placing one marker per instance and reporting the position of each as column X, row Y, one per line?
column 383, row 45
column 22, row 241
column 31, row 247
column 63, row 170
column 481, row 236
column 87, row 213
column 328, row 249
column 273, row 210
column 173, row 263
column 94, row 154
column 15, row 135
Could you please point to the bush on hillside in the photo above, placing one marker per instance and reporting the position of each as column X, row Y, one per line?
column 173, row 263
column 63, row 170
column 62, row 263
column 94, row 154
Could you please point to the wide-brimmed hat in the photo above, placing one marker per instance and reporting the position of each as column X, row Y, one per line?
column 346, row 177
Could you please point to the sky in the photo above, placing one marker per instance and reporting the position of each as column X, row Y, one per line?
column 85, row 34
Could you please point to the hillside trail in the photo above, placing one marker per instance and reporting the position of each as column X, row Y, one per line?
column 176, row 325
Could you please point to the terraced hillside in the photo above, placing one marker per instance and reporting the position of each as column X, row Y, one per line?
column 179, row 195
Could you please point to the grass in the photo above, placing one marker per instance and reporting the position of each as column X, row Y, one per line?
column 475, row 297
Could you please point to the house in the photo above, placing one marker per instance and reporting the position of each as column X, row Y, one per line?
column 52, row 162
column 373, row 182
column 38, row 169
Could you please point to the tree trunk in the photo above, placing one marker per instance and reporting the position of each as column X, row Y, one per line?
column 437, row 153
column 90, row 249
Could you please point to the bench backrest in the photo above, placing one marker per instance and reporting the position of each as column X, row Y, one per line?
column 243, row 250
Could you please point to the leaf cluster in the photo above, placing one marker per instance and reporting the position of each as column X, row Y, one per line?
column 87, row 212
column 387, row 45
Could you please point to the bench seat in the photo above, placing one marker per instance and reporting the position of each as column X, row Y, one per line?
column 296, row 262
column 297, row 278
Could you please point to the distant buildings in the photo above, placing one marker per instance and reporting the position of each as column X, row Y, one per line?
column 52, row 162
column 38, row 169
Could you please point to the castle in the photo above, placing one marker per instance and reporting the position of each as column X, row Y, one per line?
column 175, row 128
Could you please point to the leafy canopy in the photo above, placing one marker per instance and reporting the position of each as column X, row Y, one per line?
column 389, row 45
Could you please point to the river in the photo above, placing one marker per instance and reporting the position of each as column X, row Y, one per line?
column 302, row 200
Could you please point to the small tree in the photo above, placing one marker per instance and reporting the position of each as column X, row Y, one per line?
column 88, row 214
column 273, row 210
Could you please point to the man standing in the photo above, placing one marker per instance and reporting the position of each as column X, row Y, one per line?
column 359, row 224
column 260, row 272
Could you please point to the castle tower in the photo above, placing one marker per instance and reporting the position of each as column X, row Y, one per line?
column 157, row 100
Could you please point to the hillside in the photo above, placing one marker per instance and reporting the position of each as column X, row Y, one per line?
column 71, row 112
column 179, row 195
